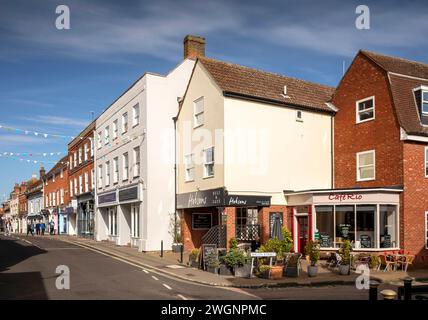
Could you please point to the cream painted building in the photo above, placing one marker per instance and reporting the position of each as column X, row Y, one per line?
column 134, row 152
column 243, row 137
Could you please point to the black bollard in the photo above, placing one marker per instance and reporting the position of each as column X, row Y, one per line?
column 161, row 248
column 181, row 253
column 407, row 288
column 373, row 290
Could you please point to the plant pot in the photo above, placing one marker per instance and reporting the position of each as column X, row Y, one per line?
column 264, row 274
column 242, row 271
column 212, row 270
column 225, row 270
column 312, row 271
column 344, row 269
column 292, row 272
column 276, row 272
column 193, row 262
column 176, row 247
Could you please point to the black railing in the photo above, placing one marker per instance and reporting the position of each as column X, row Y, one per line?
column 248, row 232
column 216, row 235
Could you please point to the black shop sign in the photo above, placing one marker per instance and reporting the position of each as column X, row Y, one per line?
column 201, row 221
column 107, row 198
column 128, row 194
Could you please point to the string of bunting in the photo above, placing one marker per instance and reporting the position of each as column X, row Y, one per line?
column 36, row 133
column 116, row 143
column 31, row 160
column 31, row 154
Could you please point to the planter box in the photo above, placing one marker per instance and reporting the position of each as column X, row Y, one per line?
column 212, row 270
column 344, row 269
column 312, row 271
column 243, row 271
column 225, row 270
column 193, row 263
column 276, row 272
column 291, row 272
column 264, row 274
column 176, row 247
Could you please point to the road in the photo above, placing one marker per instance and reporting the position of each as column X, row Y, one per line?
column 27, row 271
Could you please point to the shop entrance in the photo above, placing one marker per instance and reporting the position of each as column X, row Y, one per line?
column 302, row 233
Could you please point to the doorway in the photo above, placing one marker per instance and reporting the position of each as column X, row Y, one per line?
column 302, row 233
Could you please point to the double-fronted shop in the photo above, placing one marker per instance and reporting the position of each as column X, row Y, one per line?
column 119, row 216
column 214, row 217
column 369, row 218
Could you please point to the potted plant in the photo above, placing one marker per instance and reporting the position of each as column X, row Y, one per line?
column 374, row 261
column 224, row 269
column 238, row 261
column 211, row 262
column 193, row 258
column 345, row 254
column 264, row 271
column 312, row 250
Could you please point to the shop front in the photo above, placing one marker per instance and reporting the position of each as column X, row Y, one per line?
column 85, row 215
column 368, row 218
column 214, row 217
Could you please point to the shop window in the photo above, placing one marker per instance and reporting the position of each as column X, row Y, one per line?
column 246, row 216
column 345, row 224
column 365, row 109
column 325, row 225
column 135, row 221
column 366, row 226
column 366, row 165
column 112, row 219
column 388, row 226
column 209, row 162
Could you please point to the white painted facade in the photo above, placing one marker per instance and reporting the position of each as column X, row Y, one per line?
column 136, row 210
column 260, row 149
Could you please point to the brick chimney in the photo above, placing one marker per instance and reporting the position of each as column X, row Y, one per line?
column 194, row 46
column 42, row 172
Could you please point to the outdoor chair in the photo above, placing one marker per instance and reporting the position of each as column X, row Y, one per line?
column 387, row 262
column 404, row 263
column 334, row 260
column 361, row 260
column 293, row 265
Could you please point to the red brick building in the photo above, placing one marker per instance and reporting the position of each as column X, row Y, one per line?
column 81, row 180
column 379, row 197
column 57, row 197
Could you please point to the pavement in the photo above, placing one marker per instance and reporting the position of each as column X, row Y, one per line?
column 170, row 265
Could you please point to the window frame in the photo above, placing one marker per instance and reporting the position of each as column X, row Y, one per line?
column 100, row 176
column 205, row 163
column 115, row 129
column 136, row 115
column 116, row 173
column 99, row 142
column 359, row 179
column 106, row 135
column 423, row 101
column 137, row 165
column 107, row 173
column 426, row 161
column 187, row 168
column 357, row 111
column 195, row 125
column 125, row 169
column 125, row 128
column 299, row 119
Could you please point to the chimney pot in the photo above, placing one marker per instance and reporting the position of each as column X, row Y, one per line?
column 194, row 47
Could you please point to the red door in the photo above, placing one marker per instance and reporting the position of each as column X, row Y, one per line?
column 302, row 226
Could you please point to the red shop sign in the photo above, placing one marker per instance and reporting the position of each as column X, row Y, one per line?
column 344, row 197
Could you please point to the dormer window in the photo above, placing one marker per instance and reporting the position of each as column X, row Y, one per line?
column 365, row 109
column 425, row 102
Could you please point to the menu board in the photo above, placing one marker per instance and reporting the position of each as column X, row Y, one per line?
column 208, row 249
column 387, row 241
column 366, row 241
column 344, row 229
column 201, row 221
column 325, row 241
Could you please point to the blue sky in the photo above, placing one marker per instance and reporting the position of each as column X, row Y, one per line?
column 51, row 80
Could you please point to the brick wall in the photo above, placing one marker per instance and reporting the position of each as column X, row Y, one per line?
column 415, row 201
column 60, row 183
column 364, row 79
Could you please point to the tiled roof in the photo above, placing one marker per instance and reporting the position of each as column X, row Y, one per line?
column 267, row 86
column 402, row 88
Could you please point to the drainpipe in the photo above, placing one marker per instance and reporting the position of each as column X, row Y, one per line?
column 332, row 153
column 175, row 175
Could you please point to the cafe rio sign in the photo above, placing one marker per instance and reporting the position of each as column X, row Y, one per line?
column 345, row 197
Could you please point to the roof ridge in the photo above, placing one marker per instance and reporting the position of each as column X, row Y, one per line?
column 266, row 72
column 393, row 57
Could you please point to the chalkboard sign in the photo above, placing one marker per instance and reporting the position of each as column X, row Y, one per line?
column 208, row 249
column 201, row 221
column 366, row 241
column 387, row 241
column 344, row 229
column 325, row 241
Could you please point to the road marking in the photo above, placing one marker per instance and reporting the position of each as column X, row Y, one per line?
column 167, row 286
column 182, row 297
column 145, row 271
column 155, row 278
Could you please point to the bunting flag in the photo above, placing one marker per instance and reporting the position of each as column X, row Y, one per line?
column 124, row 140
column 31, row 160
column 36, row 133
column 31, row 154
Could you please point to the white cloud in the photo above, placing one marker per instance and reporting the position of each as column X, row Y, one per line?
column 57, row 120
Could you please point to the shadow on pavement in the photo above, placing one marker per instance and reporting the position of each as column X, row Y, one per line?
column 19, row 285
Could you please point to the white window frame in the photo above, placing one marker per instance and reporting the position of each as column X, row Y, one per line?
column 71, row 162
column 99, row 143
column 426, row 162
column 61, row 173
column 92, row 147
column 71, row 188
column 136, row 115
column 80, row 184
column 358, row 165
column 196, row 114
column 86, row 181
column 125, row 166
column 423, row 101
column 62, row 195
column 80, row 155
column 208, row 163
column 106, row 135
column 107, row 172
column 75, row 187
column 115, row 129
column 299, row 118
column 189, row 166
column 115, row 170
column 100, row 176
column 137, row 162
column 125, row 124
column 357, row 112
column 85, row 151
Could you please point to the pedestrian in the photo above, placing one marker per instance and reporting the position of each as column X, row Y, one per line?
column 30, row 228
column 38, row 228
column 52, row 227
column 42, row 228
